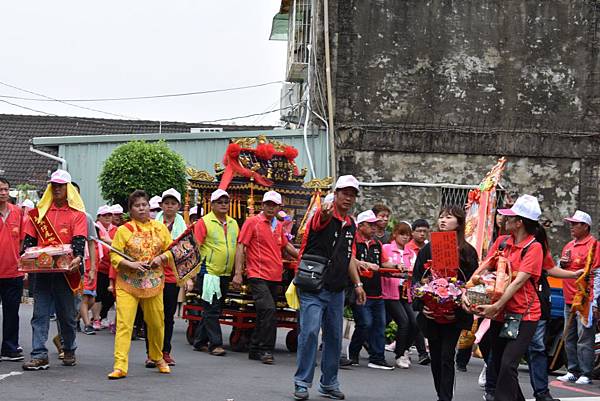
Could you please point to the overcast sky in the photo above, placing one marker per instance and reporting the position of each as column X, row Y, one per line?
column 73, row 49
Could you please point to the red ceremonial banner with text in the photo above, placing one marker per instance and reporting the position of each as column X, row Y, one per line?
column 444, row 253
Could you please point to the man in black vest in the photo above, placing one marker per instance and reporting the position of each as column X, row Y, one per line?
column 324, row 309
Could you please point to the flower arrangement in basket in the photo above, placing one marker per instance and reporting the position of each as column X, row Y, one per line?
column 490, row 280
column 440, row 295
column 441, row 292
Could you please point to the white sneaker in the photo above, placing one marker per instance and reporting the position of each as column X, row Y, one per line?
column 583, row 380
column 104, row 323
column 568, row 378
column 391, row 347
column 403, row 362
column 481, row 379
column 407, row 355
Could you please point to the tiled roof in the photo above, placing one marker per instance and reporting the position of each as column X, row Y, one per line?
column 16, row 131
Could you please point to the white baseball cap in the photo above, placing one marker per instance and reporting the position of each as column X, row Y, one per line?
column 329, row 198
column 104, row 209
column 367, row 217
column 172, row 192
column 273, row 197
column 218, row 194
column 346, row 181
column 60, row 177
column 194, row 210
column 580, row 217
column 155, row 202
column 526, row 206
column 116, row 209
column 28, row 203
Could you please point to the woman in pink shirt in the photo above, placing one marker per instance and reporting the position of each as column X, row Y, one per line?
column 396, row 291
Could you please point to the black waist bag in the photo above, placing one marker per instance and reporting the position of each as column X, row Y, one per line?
column 311, row 272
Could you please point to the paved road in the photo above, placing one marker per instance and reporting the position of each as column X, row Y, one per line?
column 201, row 377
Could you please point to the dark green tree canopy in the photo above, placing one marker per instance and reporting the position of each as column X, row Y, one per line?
column 153, row 167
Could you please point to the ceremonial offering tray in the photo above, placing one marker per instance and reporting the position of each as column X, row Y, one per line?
column 46, row 259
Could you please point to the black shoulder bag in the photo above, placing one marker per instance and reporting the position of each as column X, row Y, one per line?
column 311, row 269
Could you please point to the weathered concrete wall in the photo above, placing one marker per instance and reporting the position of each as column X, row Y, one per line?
column 551, row 167
column 437, row 90
column 553, row 181
column 498, row 61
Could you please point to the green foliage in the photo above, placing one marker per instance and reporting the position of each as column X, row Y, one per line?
column 25, row 187
column 153, row 167
column 390, row 332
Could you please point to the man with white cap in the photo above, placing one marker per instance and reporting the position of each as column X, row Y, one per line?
column 370, row 317
column 170, row 202
column 259, row 249
column 117, row 215
column 155, row 206
column 579, row 343
column 216, row 234
column 329, row 235
column 11, row 279
column 194, row 214
column 61, row 213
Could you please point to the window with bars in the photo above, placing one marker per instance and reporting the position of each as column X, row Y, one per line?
column 298, row 40
column 453, row 196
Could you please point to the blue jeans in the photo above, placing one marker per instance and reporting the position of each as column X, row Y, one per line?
column 369, row 320
column 323, row 309
column 49, row 288
column 538, row 361
column 579, row 346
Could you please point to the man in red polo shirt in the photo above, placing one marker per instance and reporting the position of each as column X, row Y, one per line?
column 260, row 244
column 11, row 280
column 60, row 210
column 579, row 343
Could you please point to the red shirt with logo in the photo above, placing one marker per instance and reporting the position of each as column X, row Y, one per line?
column 525, row 301
column 264, row 241
column 579, row 250
column 412, row 245
column 10, row 242
column 67, row 223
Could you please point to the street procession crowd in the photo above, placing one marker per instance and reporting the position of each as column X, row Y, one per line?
column 343, row 261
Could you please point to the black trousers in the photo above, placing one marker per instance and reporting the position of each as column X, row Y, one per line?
column 506, row 357
column 208, row 331
column 170, row 292
column 442, row 346
column 264, row 294
column 402, row 313
column 11, row 290
column 104, row 296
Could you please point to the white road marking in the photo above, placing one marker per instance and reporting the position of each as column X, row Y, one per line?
column 2, row 377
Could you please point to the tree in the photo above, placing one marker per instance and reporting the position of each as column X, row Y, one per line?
column 153, row 167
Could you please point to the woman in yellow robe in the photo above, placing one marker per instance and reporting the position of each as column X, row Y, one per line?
column 140, row 282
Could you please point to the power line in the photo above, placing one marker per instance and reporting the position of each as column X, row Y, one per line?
column 48, row 98
column 111, row 99
column 252, row 115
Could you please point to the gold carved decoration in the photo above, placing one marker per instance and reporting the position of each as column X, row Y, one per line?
column 244, row 142
column 199, row 175
column 319, row 183
column 278, row 145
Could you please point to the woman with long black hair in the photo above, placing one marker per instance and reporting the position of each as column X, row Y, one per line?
column 516, row 314
column 444, row 336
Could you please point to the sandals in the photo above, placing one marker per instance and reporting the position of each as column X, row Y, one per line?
column 163, row 366
column 117, row 374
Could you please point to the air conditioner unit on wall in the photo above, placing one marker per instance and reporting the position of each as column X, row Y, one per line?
column 291, row 96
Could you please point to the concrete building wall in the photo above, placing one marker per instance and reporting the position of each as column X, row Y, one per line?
column 435, row 91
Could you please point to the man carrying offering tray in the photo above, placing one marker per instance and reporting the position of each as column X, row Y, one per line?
column 58, row 220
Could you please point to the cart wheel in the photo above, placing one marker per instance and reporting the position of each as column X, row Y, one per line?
column 291, row 340
column 191, row 330
column 239, row 340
